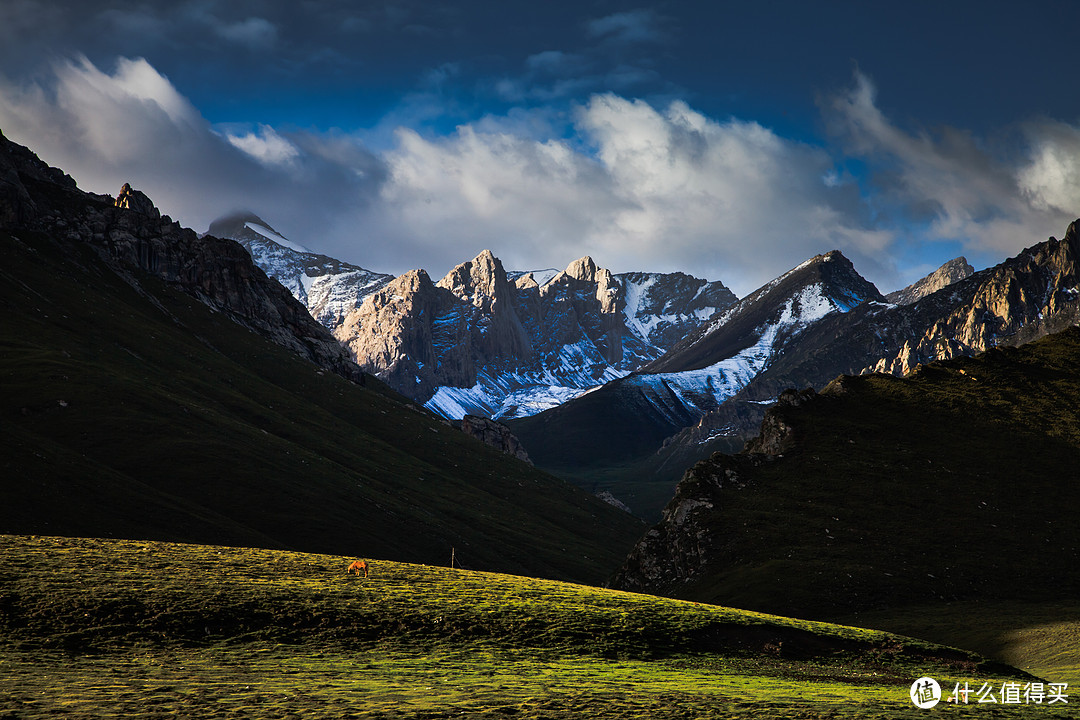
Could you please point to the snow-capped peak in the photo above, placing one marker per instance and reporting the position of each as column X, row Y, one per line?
column 274, row 236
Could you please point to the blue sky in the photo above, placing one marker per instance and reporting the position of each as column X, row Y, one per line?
column 727, row 140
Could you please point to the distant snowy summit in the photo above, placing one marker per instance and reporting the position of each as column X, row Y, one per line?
column 328, row 287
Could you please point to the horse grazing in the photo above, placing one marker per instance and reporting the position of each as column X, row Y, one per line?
column 358, row 566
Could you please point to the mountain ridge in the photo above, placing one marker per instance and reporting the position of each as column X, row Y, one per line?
column 502, row 344
column 330, row 288
column 630, row 418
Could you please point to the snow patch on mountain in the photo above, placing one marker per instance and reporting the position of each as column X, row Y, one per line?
column 513, row 394
column 706, row 388
column 281, row 240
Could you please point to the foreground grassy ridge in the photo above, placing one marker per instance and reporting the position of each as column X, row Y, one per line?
column 92, row 628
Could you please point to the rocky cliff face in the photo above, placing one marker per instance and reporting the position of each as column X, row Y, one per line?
column 417, row 335
column 680, row 549
column 1024, row 298
column 131, row 233
column 951, row 272
column 483, row 342
column 490, row 324
column 395, row 332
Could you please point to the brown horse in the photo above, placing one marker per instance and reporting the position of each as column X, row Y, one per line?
column 358, row 566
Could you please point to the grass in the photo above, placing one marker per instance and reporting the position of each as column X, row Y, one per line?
column 1040, row 638
column 109, row 628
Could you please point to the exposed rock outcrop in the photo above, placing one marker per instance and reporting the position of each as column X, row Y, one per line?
column 1024, row 298
column 680, row 548
column 494, row 434
column 138, row 201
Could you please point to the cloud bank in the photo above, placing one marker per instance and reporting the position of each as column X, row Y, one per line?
column 633, row 184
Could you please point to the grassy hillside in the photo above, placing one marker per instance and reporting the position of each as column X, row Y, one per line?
column 955, row 484
column 1040, row 638
column 131, row 410
column 93, row 628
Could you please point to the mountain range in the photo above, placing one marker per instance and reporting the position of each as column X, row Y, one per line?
column 157, row 384
column 647, row 428
column 633, row 415
column 483, row 340
column 618, row 382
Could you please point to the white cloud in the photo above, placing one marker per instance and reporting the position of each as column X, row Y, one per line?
column 636, row 186
column 1051, row 178
column 266, row 146
column 670, row 190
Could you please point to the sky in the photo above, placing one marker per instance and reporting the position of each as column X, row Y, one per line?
column 728, row 140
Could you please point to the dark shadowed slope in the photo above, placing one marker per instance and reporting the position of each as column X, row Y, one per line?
column 135, row 404
column 958, row 482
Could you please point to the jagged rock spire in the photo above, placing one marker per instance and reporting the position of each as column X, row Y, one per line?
column 133, row 199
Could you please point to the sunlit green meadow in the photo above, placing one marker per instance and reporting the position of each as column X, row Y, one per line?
column 95, row 628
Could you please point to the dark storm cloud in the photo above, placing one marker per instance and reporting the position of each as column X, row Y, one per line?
column 631, row 26
column 408, row 134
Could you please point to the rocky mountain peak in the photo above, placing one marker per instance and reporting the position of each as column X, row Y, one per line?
column 478, row 280
column 953, row 271
column 1072, row 234
column 411, row 281
column 582, row 269
column 133, row 199
column 583, row 275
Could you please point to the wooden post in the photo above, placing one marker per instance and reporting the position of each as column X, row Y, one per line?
column 452, row 551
